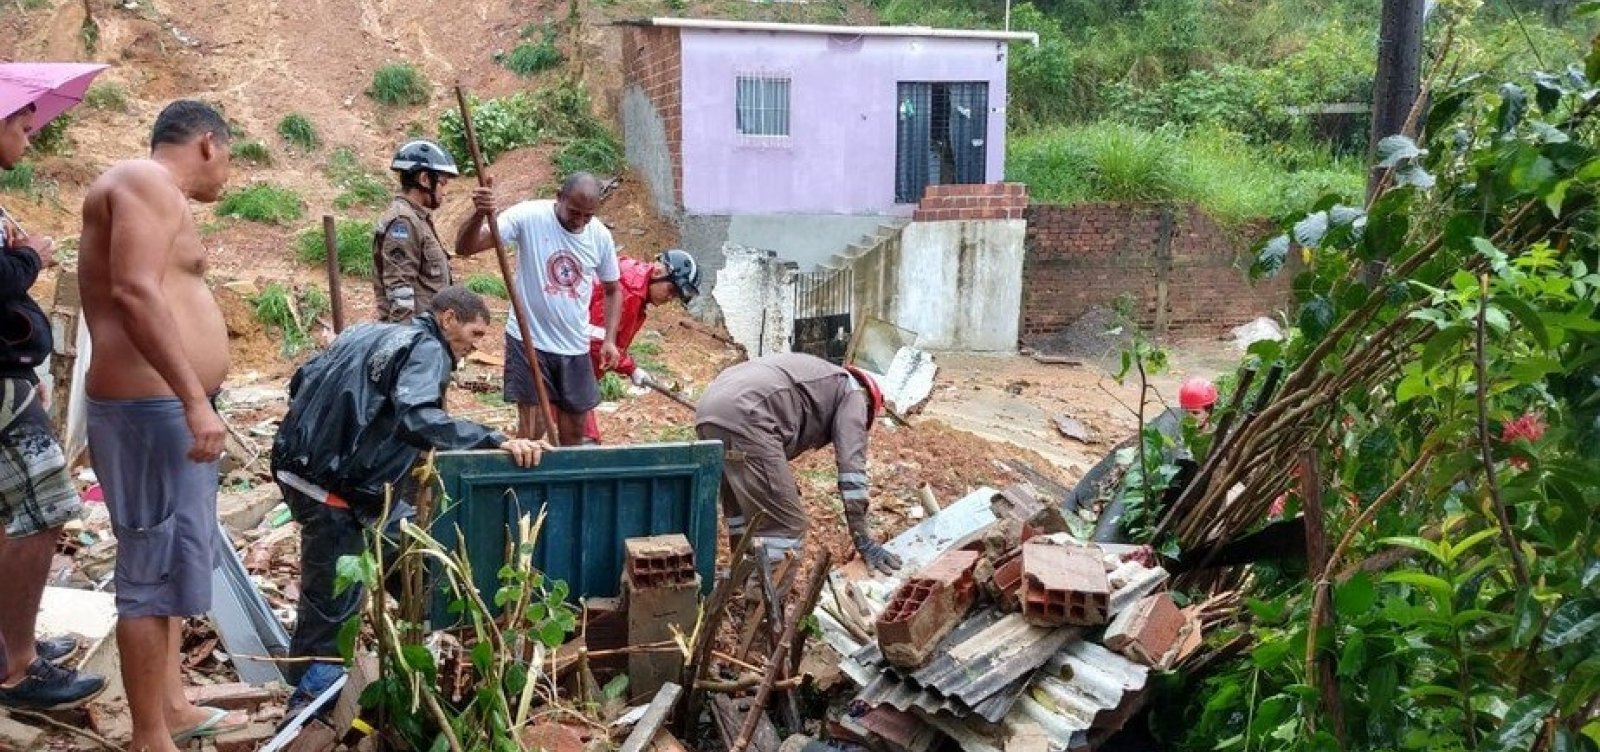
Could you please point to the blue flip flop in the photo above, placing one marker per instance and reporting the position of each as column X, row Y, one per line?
column 207, row 728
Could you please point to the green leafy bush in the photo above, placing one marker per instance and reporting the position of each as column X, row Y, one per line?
column 560, row 112
column 399, row 84
column 262, row 202
column 106, row 96
column 502, row 124
column 298, row 130
column 353, row 238
column 254, row 152
column 488, row 284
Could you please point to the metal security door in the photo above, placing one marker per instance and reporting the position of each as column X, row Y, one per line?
column 941, row 136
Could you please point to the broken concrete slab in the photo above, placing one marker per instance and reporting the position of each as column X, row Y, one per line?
column 244, row 510
column 1063, row 585
column 1146, row 631
column 926, row 607
column 86, row 614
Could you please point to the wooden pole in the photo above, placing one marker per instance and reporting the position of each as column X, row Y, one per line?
column 775, row 661
column 330, row 240
column 529, row 349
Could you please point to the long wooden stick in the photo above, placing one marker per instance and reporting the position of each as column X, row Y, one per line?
column 330, row 241
column 529, row 350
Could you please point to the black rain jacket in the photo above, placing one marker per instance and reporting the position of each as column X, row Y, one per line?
column 361, row 413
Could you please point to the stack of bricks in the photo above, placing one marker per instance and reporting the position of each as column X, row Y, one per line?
column 652, row 59
column 661, row 591
column 943, row 203
column 1087, row 255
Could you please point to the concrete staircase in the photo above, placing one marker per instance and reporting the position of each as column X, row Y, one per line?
column 864, row 245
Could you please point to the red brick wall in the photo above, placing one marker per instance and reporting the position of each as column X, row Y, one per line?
column 652, row 58
column 1085, row 255
column 972, row 201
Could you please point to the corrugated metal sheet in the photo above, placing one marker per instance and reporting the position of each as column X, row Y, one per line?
column 981, row 667
column 594, row 498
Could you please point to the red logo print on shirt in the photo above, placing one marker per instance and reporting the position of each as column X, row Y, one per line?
column 562, row 274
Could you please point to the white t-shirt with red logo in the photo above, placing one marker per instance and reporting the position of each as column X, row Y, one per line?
column 556, row 273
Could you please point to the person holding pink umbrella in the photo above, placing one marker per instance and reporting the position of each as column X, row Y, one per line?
column 36, row 495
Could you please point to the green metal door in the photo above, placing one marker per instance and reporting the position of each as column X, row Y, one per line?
column 594, row 498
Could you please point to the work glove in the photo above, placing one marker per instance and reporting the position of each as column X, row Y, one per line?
column 641, row 378
column 874, row 555
column 877, row 558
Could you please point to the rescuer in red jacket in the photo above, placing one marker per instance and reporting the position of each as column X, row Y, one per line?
column 673, row 274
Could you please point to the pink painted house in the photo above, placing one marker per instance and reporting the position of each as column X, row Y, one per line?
column 803, row 138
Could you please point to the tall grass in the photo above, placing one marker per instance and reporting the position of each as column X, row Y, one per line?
column 19, row 179
column 291, row 313
column 488, row 284
column 262, row 202
column 353, row 238
column 298, row 130
column 253, row 152
column 106, row 96
column 529, row 58
column 359, row 186
column 1228, row 177
column 399, row 84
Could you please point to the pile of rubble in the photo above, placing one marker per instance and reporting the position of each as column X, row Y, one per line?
column 1002, row 633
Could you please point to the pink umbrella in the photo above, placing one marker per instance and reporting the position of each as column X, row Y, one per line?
column 51, row 88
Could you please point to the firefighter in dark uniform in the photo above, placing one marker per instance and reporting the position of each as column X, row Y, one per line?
column 410, row 265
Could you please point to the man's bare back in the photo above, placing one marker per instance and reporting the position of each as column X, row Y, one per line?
column 139, row 249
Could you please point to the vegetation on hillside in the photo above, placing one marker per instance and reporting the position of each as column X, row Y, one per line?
column 1209, row 70
column 558, row 114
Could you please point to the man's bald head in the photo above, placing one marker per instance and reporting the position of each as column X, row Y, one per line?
column 581, row 182
column 577, row 201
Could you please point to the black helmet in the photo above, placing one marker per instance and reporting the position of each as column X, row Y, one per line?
column 421, row 155
column 683, row 271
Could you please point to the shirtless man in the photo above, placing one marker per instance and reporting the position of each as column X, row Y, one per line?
column 160, row 353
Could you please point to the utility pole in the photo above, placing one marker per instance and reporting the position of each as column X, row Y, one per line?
column 1394, row 91
column 1399, row 78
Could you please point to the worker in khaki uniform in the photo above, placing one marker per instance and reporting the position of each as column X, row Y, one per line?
column 770, row 410
column 409, row 263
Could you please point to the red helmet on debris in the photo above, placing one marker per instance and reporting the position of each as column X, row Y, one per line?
column 875, row 408
column 1197, row 394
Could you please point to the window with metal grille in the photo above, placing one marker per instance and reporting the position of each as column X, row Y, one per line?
column 762, row 106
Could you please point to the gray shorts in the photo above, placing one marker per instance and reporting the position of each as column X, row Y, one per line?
column 163, row 505
column 569, row 379
column 36, row 495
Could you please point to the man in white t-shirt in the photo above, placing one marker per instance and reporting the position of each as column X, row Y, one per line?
column 561, row 251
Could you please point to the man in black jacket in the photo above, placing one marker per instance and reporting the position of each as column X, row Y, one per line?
column 360, row 416
column 36, row 495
